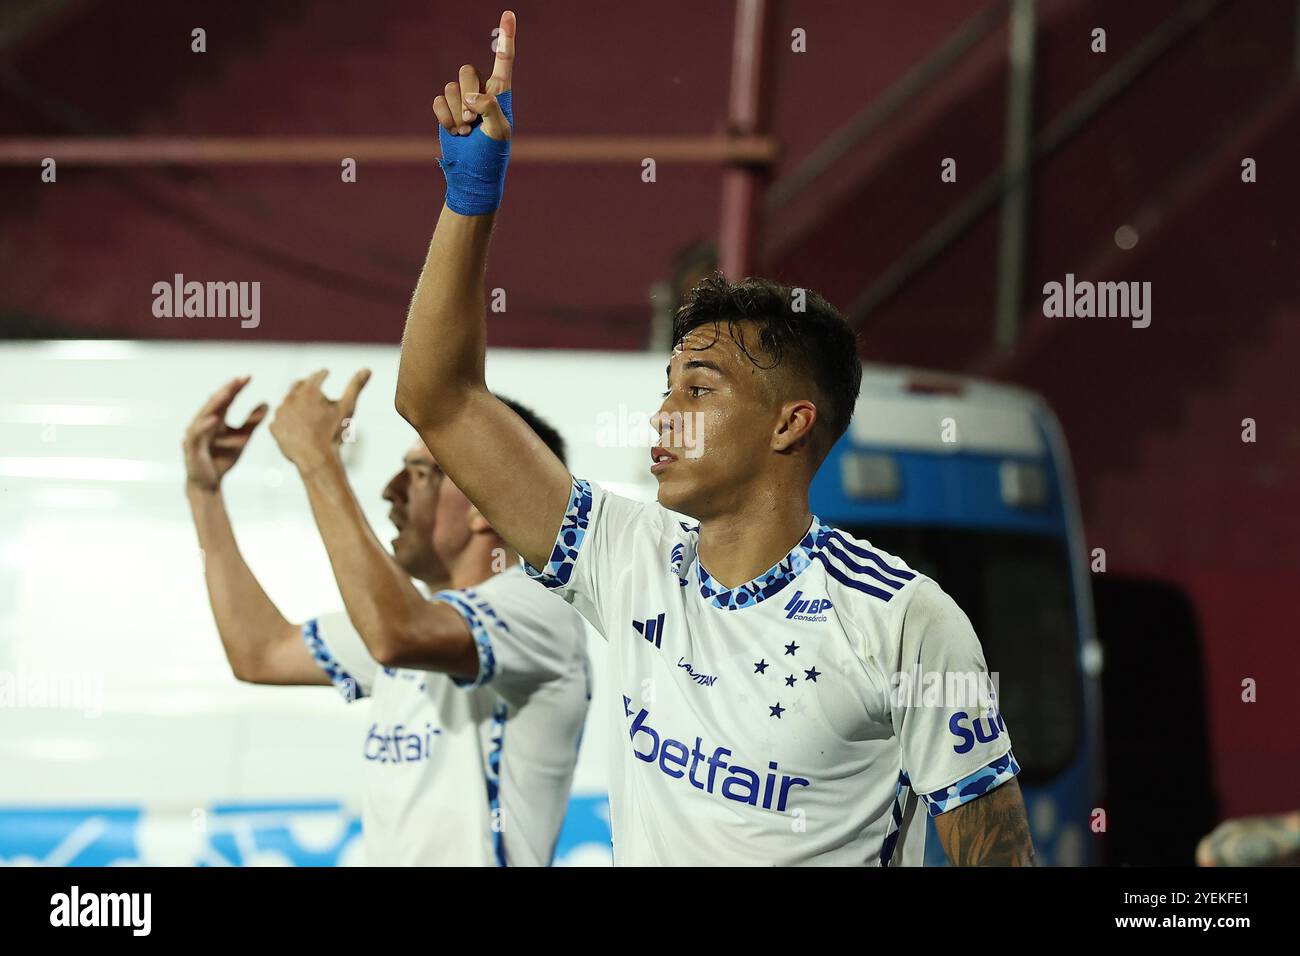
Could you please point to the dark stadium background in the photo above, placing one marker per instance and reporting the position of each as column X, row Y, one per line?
column 1200, row 530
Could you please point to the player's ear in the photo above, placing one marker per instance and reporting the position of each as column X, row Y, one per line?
column 477, row 523
column 795, row 425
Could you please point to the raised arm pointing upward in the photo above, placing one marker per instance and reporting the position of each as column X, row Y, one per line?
column 487, row 450
column 770, row 638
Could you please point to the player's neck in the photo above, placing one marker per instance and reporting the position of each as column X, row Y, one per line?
column 435, row 584
column 484, row 556
column 435, row 577
column 738, row 547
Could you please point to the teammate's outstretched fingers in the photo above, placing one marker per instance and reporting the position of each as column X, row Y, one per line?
column 254, row 419
column 221, row 399
column 348, row 403
column 202, row 429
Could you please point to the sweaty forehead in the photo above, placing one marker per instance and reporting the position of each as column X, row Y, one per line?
column 716, row 344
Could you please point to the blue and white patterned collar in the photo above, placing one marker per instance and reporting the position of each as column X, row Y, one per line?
column 771, row 581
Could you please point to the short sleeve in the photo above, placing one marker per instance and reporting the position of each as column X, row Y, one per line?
column 336, row 646
column 525, row 635
column 601, row 538
column 955, row 744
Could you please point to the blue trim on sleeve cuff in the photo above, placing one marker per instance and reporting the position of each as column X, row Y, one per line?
column 559, row 569
column 345, row 683
column 474, row 611
column 972, row 785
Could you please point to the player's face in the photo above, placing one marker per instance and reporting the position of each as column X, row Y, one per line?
column 414, row 493
column 715, row 424
column 455, row 527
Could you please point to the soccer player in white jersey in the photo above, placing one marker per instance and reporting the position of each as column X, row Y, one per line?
column 478, row 693
column 756, row 651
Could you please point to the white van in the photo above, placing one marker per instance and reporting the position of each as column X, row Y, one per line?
column 124, row 738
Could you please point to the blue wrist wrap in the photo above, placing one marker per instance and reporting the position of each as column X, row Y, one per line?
column 475, row 165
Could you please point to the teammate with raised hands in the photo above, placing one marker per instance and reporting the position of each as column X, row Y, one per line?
column 477, row 678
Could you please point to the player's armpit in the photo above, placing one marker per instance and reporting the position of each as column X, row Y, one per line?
column 991, row 830
column 503, row 467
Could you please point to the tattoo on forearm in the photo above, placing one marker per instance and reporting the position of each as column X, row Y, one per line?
column 991, row 830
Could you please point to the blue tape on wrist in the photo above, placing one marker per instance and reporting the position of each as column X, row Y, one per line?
column 475, row 165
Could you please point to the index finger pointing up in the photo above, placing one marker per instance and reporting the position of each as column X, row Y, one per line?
column 504, row 66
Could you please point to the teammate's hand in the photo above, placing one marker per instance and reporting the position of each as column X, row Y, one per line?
column 309, row 427
column 211, row 446
column 462, row 102
column 1253, row 841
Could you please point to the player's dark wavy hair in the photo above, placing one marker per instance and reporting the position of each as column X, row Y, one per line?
column 549, row 436
column 816, row 342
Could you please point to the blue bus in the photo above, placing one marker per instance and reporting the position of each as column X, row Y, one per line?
column 970, row 483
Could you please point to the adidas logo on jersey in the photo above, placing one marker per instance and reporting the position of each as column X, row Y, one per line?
column 801, row 610
column 652, row 630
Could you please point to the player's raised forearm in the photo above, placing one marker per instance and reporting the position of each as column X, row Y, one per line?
column 399, row 627
column 260, row 644
column 445, row 340
column 248, row 621
column 486, row 449
column 442, row 350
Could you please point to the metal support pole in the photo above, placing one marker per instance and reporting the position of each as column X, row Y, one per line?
column 742, row 183
column 1015, row 174
column 1297, row 38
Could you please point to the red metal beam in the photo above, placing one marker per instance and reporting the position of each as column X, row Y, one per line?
column 221, row 150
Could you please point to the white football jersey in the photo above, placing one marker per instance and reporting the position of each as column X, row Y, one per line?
column 780, row 721
column 469, row 773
